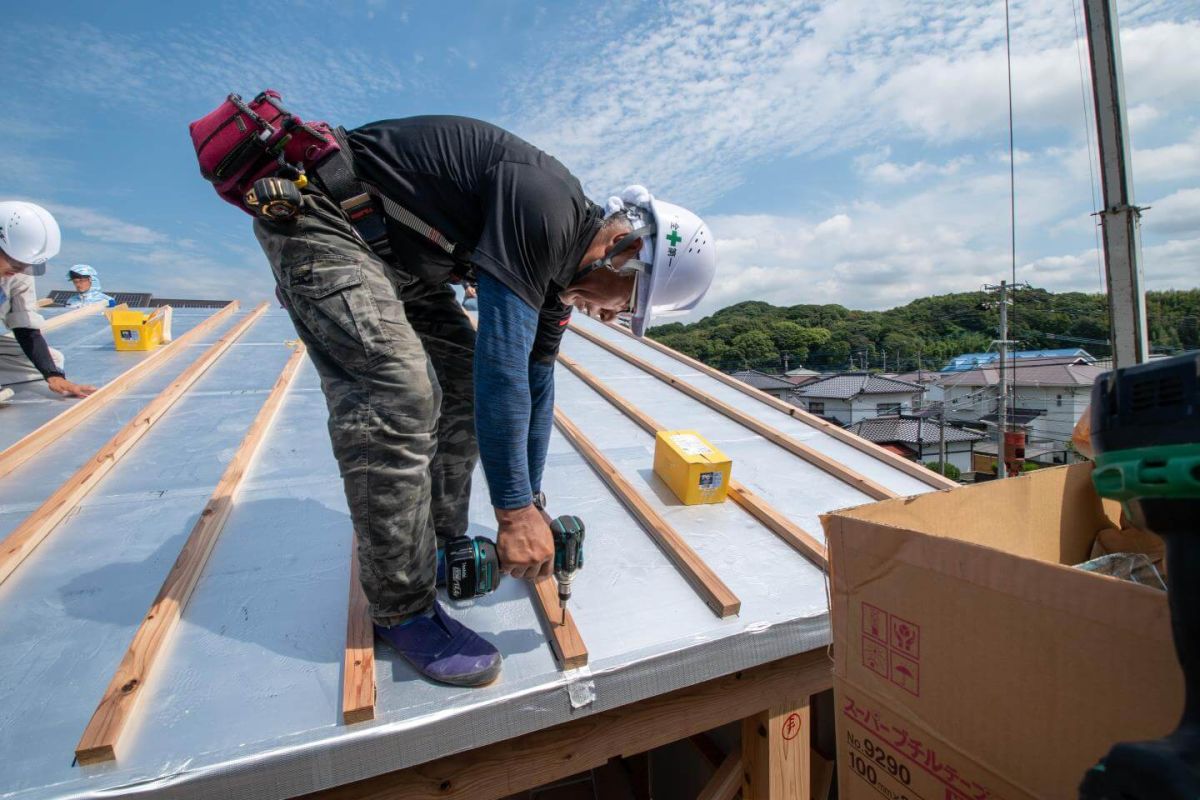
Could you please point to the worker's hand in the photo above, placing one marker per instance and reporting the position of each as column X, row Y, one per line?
column 61, row 385
column 524, row 543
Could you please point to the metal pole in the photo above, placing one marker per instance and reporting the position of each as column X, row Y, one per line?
column 942, row 436
column 1002, row 408
column 1120, row 218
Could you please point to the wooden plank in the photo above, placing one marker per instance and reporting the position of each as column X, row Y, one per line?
column 522, row 763
column 793, row 446
column 841, row 434
column 563, row 636
column 103, row 732
column 711, row 589
column 564, row 639
column 358, row 666
column 776, row 750
column 74, row 315
column 799, row 539
column 30, row 533
column 804, row 542
column 726, row 781
column 32, row 443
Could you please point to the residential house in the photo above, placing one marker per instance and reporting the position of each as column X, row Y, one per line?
column 800, row 376
column 970, row 361
column 919, row 438
column 855, row 396
column 1048, row 396
column 774, row 385
column 929, row 380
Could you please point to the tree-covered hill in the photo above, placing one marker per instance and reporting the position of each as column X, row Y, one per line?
column 926, row 332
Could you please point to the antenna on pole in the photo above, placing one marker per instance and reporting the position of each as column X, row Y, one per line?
column 1120, row 220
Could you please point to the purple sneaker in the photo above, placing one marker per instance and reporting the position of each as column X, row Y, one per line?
column 444, row 650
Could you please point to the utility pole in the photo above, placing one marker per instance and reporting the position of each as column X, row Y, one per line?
column 1120, row 217
column 942, row 436
column 1002, row 408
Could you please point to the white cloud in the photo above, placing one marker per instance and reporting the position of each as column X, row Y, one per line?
column 103, row 227
column 694, row 94
column 876, row 167
column 1176, row 213
column 1168, row 163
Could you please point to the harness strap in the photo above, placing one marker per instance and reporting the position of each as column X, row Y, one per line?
column 355, row 195
column 633, row 265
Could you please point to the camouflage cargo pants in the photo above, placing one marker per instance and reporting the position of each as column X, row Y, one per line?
column 395, row 360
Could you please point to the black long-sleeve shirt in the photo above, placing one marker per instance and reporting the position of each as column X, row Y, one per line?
column 33, row 344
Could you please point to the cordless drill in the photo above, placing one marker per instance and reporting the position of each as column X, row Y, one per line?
column 1146, row 437
column 470, row 566
column 568, row 556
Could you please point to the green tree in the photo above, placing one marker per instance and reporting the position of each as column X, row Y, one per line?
column 753, row 347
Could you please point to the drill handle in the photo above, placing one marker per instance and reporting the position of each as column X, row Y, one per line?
column 568, row 532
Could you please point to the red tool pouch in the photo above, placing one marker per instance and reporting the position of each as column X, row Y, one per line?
column 238, row 143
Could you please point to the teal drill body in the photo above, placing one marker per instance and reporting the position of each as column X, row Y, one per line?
column 568, row 532
column 470, row 567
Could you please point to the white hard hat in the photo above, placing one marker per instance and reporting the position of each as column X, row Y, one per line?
column 28, row 234
column 677, row 261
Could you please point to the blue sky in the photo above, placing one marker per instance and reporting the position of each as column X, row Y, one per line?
column 848, row 152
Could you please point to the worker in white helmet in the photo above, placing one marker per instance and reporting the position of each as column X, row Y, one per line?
column 29, row 237
column 674, row 267
column 415, row 395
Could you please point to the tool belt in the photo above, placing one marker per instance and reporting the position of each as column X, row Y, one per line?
column 238, row 143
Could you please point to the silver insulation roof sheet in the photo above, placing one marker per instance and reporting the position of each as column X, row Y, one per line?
column 245, row 701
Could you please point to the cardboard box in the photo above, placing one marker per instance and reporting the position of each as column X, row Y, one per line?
column 970, row 663
column 692, row 466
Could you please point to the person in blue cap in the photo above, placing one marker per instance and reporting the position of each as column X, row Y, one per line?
column 87, row 283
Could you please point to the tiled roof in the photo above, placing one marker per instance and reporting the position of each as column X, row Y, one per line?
column 903, row 429
column 761, row 380
column 843, row 387
column 1061, row 374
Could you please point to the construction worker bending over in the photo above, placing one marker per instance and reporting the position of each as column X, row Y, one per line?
column 414, row 393
column 29, row 237
column 87, row 285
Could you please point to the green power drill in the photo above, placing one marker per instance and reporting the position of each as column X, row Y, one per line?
column 470, row 567
column 1146, row 435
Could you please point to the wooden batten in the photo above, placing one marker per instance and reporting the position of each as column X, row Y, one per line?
column 358, row 663
column 32, row 443
column 703, row 580
column 74, row 315
column 841, row 434
column 726, row 782
column 30, row 533
column 793, row 446
column 564, row 637
column 798, row 538
column 102, row 735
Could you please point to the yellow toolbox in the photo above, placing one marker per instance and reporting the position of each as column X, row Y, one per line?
column 133, row 330
column 696, row 471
